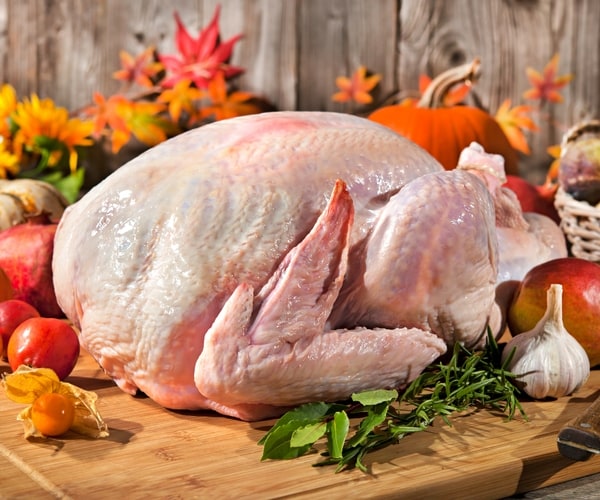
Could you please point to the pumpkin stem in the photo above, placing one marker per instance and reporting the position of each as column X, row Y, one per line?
column 434, row 94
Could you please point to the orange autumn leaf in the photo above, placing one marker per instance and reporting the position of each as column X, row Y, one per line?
column 181, row 98
column 144, row 123
column 118, row 118
column 105, row 113
column 141, row 69
column 546, row 85
column 514, row 121
column 226, row 105
column 554, row 151
column 357, row 88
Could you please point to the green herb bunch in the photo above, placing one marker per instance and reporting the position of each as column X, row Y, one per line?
column 470, row 379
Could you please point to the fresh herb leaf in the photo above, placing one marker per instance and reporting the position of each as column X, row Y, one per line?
column 337, row 431
column 309, row 434
column 302, row 415
column 376, row 416
column 367, row 398
column 469, row 379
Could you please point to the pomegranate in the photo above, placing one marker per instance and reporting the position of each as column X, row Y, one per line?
column 6, row 289
column 26, row 258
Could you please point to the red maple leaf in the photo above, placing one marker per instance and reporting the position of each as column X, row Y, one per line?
column 199, row 59
column 546, row 84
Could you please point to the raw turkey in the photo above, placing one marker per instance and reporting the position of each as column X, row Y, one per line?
column 266, row 261
column 525, row 239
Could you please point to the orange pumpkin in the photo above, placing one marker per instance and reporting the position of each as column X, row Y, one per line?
column 445, row 131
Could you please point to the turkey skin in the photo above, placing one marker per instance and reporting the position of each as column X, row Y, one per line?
column 266, row 261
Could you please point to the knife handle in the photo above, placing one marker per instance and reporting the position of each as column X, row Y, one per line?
column 582, row 433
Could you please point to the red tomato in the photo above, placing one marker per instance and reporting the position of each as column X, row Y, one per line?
column 44, row 343
column 12, row 313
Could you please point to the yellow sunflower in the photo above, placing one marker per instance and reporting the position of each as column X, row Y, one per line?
column 8, row 103
column 40, row 121
column 9, row 163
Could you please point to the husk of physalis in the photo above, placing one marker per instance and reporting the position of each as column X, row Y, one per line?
column 548, row 362
column 26, row 384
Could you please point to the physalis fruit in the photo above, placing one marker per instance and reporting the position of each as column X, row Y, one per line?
column 54, row 406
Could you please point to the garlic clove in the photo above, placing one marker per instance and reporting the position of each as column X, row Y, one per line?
column 548, row 361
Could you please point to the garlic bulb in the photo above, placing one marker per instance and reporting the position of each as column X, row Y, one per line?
column 548, row 361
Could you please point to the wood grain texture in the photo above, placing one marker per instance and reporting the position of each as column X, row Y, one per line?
column 294, row 50
column 156, row 453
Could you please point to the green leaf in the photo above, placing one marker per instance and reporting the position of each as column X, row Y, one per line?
column 369, row 398
column 376, row 416
column 277, row 443
column 302, row 415
column 337, row 431
column 308, row 434
column 69, row 185
column 48, row 143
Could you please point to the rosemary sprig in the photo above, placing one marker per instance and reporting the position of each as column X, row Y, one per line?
column 470, row 379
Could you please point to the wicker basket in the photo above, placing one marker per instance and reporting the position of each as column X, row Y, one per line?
column 580, row 222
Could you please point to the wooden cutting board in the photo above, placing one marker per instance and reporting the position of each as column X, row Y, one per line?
column 157, row 453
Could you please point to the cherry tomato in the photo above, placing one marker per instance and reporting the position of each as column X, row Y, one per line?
column 53, row 414
column 44, row 343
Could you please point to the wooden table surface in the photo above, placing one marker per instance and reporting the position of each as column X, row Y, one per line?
column 156, row 453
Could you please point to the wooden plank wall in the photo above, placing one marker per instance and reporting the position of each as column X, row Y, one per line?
column 293, row 49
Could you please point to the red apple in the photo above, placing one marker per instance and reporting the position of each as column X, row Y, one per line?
column 581, row 300
column 533, row 198
column 44, row 343
column 12, row 313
